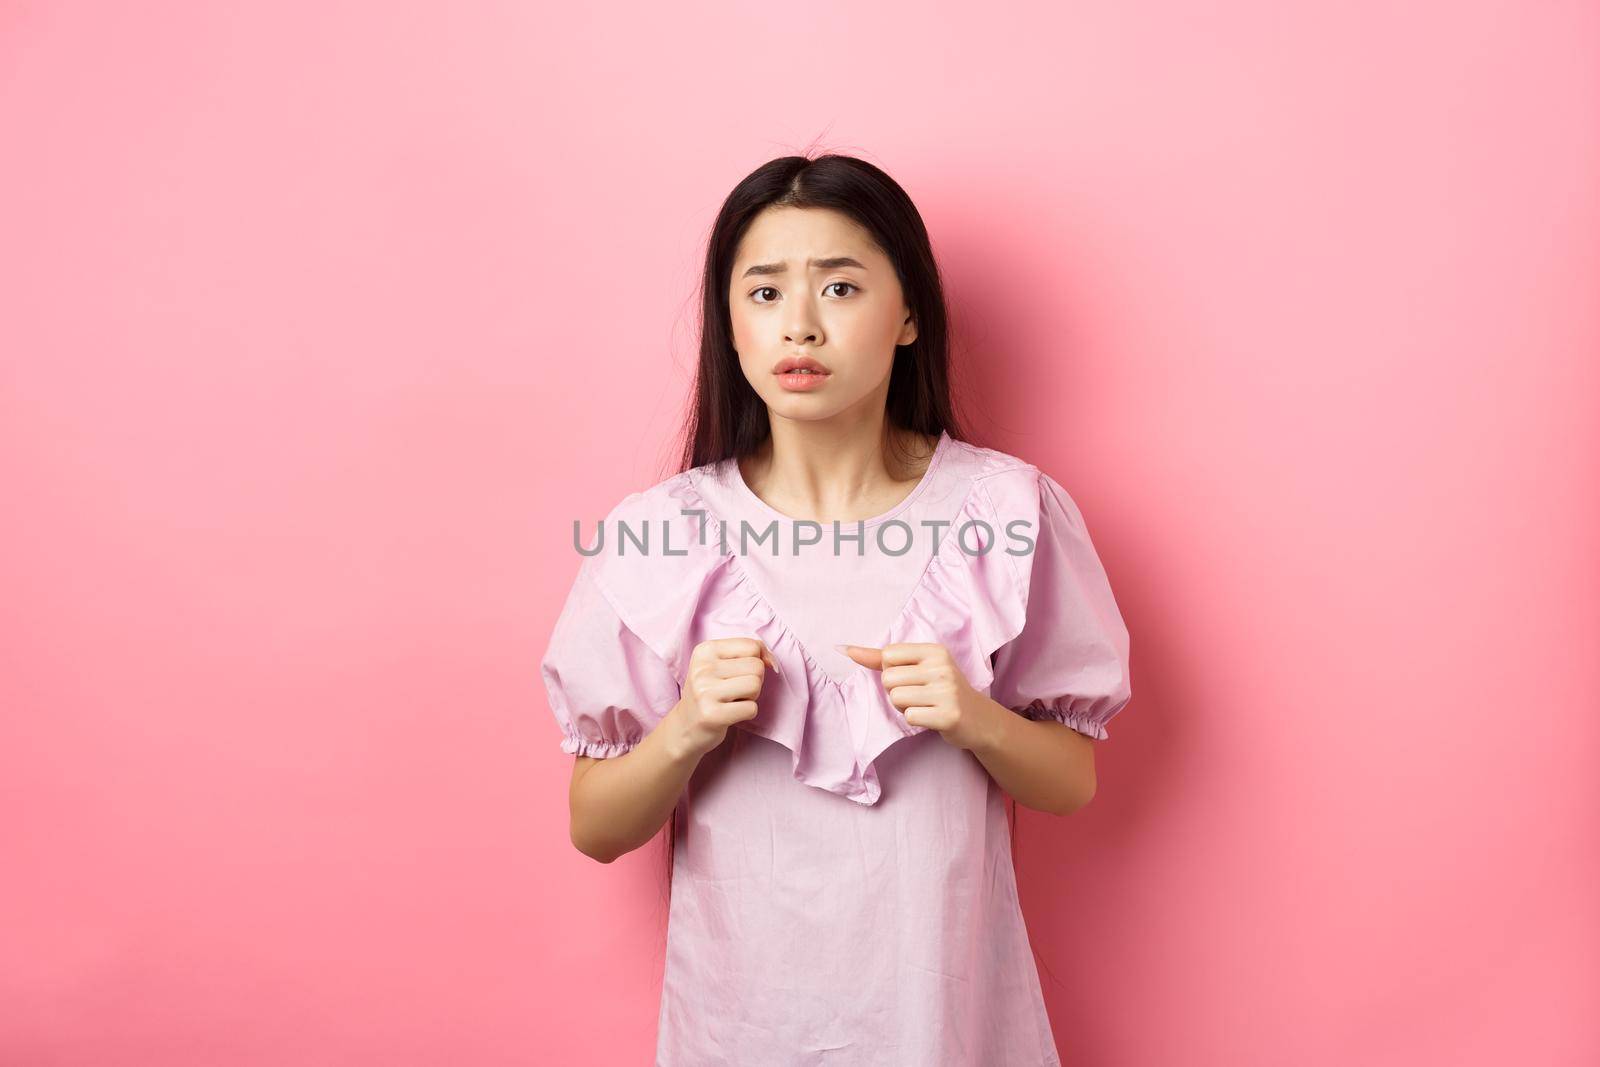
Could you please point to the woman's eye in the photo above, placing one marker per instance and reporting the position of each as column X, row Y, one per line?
column 825, row 288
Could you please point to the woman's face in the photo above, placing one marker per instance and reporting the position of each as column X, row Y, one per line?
column 810, row 282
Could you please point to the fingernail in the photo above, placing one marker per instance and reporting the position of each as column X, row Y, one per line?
column 843, row 648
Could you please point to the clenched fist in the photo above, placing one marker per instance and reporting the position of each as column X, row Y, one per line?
column 725, row 676
column 923, row 680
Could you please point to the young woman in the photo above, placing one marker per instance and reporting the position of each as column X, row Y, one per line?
column 824, row 652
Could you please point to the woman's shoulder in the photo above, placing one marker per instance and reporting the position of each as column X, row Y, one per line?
column 993, row 470
column 652, row 531
column 1010, row 486
column 982, row 462
column 668, row 498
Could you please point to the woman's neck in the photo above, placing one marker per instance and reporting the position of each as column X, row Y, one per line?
column 848, row 472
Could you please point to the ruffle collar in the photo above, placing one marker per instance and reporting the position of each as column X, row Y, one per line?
column 686, row 590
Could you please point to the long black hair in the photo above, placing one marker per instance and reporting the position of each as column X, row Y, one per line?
column 727, row 416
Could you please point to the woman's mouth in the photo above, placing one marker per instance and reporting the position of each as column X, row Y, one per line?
column 801, row 381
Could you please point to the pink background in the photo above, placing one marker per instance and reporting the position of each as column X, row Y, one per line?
column 321, row 322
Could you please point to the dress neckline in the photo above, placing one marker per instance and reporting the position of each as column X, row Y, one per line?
column 750, row 499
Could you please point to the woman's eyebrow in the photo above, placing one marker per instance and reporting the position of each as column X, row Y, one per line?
column 829, row 263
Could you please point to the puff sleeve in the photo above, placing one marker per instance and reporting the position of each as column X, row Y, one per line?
column 1070, row 660
column 607, row 688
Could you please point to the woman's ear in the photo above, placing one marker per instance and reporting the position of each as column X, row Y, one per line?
column 908, row 332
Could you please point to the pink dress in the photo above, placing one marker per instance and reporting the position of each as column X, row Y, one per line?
column 843, row 890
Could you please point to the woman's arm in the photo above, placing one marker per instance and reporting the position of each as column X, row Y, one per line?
column 619, row 806
column 619, row 803
column 1043, row 764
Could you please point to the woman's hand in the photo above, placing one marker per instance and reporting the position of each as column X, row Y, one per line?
column 725, row 676
column 923, row 681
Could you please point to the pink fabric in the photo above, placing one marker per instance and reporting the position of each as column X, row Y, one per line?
column 843, row 883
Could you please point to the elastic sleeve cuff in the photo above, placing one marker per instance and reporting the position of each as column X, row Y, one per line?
column 583, row 746
column 1039, row 710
